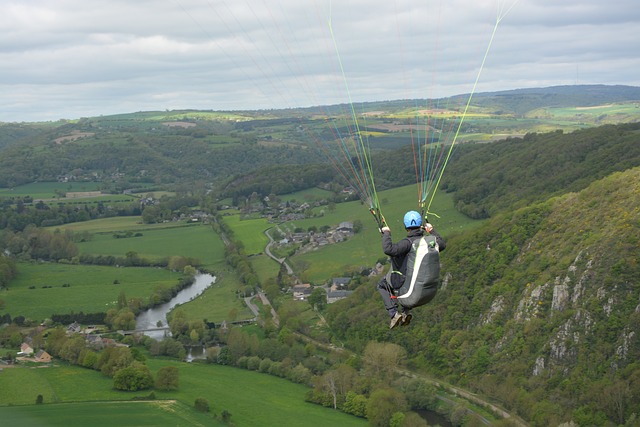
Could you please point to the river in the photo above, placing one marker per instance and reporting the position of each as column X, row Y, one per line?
column 149, row 319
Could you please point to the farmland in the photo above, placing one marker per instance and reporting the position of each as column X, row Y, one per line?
column 72, row 394
column 193, row 241
column 43, row 289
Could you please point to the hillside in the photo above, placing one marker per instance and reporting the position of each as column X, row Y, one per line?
column 178, row 148
column 538, row 309
column 521, row 101
column 515, row 172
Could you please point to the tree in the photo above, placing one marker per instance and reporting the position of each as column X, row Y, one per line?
column 382, row 406
column 355, row 404
column 112, row 359
column 136, row 376
column 382, row 359
column 168, row 378
column 318, row 298
column 178, row 323
column 39, row 400
column 336, row 383
column 72, row 348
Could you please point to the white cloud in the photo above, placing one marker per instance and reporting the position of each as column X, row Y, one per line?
column 71, row 58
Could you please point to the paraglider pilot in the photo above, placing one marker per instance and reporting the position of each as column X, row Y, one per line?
column 398, row 253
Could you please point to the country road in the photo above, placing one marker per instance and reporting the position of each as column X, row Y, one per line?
column 267, row 250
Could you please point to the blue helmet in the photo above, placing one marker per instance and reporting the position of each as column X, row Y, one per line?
column 412, row 219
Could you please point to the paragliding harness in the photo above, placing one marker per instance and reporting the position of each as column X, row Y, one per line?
column 420, row 284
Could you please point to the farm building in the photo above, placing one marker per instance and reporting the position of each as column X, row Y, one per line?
column 42, row 357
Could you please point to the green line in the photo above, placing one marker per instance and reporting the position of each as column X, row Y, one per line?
column 466, row 108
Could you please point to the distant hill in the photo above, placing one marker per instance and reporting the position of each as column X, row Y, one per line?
column 521, row 101
column 178, row 148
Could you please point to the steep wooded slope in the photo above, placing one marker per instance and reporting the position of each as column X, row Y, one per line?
column 487, row 178
column 540, row 309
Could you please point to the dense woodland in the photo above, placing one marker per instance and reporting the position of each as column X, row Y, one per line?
column 538, row 309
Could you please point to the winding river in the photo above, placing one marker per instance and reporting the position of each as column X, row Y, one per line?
column 149, row 319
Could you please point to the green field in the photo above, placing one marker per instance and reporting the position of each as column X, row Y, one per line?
column 219, row 302
column 195, row 241
column 264, row 266
column 91, row 288
column 97, row 414
column 112, row 224
column 250, row 232
column 253, row 399
column 47, row 190
column 308, row 195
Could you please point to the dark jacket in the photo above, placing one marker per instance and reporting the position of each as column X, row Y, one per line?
column 399, row 251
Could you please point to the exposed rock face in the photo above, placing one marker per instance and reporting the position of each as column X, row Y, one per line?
column 560, row 297
column 529, row 305
column 497, row 306
column 445, row 281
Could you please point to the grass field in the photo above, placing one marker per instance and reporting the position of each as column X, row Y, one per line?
column 47, row 190
column 253, row 399
column 91, row 288
column 196, row 241
column 308, row 195
column 250, row 232
column 219, row 302
column 109, row 225
column 264, row 266
column 97, row 414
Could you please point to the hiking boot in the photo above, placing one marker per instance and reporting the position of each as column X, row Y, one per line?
column 395, row 320
column 406, row 318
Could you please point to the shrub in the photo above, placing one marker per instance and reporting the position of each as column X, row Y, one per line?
column 201, row 404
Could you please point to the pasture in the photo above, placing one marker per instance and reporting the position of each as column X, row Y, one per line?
column 308, row 195
column 253, row 399
column 109, row 413
column 43, row 289
column 219, row 302
column 250, row 232
column 159, row 241
column 48, row 190
column 264, row 266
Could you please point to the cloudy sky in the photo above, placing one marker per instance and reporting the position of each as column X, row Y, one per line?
column 81, row 58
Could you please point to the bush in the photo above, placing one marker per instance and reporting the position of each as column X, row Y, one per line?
column 201, row 404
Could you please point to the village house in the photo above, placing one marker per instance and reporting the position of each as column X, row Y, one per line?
column 301, row 292
column 339, row 283
column 74, row 328
column 42, row 357
column 338, row 289
column 25, row 350
column 333, row 296
column 345, row 227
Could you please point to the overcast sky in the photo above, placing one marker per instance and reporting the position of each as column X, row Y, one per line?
column 82, row 58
